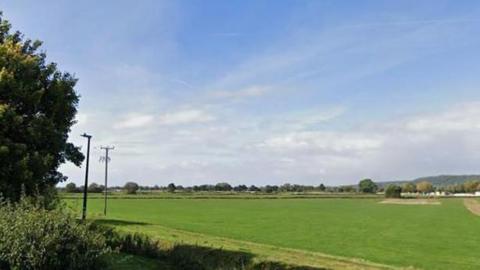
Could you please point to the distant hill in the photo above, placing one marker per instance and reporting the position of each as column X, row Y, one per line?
column 438, row 181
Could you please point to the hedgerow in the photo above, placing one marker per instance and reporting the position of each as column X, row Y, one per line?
column 32, row 237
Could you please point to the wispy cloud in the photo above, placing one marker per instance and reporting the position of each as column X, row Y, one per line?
column 135, row 121
column 284, row 104
column 252, row 91
column 182, row 117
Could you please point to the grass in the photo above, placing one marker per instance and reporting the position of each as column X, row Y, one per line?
column 220, row 195
column 131, row 262
column 422, row 236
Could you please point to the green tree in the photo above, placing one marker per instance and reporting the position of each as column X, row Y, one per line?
column 424, row 187
column 71, row 188
column 253, row 188
column 393, row 191
column 38, row 104
column 240, row 188
column 409, row 187
column 322, row 187
column 470, row 186
column 367, row 186
column 171, row 187
column 95, row 188
column 131, row 187
column 223, row 187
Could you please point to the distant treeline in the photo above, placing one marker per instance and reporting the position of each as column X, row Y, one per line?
column 364, row 186
column 96, row 188
column 437, row 181
column 131, row 187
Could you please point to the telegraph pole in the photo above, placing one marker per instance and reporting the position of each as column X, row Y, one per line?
column 84, row 211
column 106, row 158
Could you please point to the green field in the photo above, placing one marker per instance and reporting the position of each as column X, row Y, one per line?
column 442, row 236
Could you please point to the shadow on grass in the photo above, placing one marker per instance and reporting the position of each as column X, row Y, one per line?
column 188, row 257
column 182, row 256
column 116, row 222
column 193, row 257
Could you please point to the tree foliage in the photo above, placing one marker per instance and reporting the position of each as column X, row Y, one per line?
column 171, row 187
column 424, row 187
column 393, row 191
column 367, row 186
column 71, row 188
column 223, row 187
column 131, row 187
column 409, row 187
column 95, row 188
column 37, row 109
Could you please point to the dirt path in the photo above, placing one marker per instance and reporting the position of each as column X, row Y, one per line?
column 472, row 205
column 412, row 201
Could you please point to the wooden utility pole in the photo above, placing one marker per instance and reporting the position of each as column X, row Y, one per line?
column 106, row 159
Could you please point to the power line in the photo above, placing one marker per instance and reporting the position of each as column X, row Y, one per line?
column 106, row 159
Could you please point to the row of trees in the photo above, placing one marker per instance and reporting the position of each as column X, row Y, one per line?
column 467, row 187
column 129, row 187
column 395, row 191
column 426, row 187
column 365, row 186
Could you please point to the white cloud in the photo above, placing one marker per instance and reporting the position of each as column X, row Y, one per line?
column 185, row 117
column 135, row 121
column 465, row 117
column 324, row 143
column 310, row 118
column 252, row 91
column 81, row 118
column 281, row 144
column 248, row 151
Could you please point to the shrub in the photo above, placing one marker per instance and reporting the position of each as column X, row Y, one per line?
column 32, row 237
column 393, row 191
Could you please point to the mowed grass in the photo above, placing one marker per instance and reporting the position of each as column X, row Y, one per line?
column 442, row 236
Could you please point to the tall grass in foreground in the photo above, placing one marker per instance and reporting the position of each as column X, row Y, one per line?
column 188, row 257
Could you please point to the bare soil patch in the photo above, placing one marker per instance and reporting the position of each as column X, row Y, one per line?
column 472, row 205
column 412, row 201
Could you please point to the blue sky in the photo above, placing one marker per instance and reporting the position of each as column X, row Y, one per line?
column 268, row 92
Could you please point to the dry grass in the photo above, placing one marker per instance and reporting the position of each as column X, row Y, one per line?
column 472, row 205
column 412, row 201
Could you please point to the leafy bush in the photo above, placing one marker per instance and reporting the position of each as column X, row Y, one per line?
column 393, row 191
column 32, row 237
